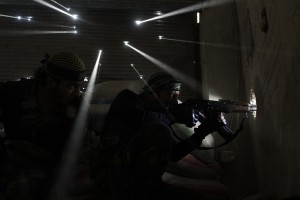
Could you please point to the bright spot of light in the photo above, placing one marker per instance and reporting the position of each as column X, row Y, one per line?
column 74, row 27
column 75, row 16
column 214, row 97
column 198, row 17
column 253, row 101
column 126, row 42
column 68, row 9
column 138, row 22
column 159, row 13
column 252, row 97
column 75, row 32
column 160, row 37
column 19, row 17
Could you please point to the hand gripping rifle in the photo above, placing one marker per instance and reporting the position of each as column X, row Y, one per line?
column 208, row 107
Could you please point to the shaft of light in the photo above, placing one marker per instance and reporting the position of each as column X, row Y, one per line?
column 202, row 43
column 71, row 27
column 21, row 33
column 152, row 91
column 53, row 7
column 145, row 82
column 60, row 5
column 195, row 7
column 141, row 76
column 191, row 82
column 72, row 149
column 18, row 17
column 8, row 16
column 233, row 47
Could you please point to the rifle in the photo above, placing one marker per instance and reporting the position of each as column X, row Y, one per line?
column 208, row 107
column 224, row 106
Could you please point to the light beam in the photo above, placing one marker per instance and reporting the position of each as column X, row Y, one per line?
column 9, row 16
column 140, row 76
column 17, row 17
column 63, row 26
column 21, row 33
column 29, row 18
column 163, row 106
column 195, row 7
column 202, row 43
column 55, row 8
column 253, row 101
column 60, row 5
column 72, row 149
column 191, row 82
column 232, row 47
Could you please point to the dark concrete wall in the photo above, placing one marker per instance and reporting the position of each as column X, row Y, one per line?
column 267, row 62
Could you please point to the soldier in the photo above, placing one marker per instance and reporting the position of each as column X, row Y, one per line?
column 37, row 116
column 137, row 142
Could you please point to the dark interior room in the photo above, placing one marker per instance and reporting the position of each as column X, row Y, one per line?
column 240, row 50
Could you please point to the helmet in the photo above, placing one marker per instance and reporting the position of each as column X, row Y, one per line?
column 162, row 81
column 65, row 65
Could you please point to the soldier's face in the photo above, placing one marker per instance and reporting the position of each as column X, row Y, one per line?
column 68, row 90
column 168, row 97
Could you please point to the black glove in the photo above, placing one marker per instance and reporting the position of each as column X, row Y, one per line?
column 185, row 114
column 213, row 122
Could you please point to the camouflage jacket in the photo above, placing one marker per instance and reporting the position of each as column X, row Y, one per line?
column 22, row 119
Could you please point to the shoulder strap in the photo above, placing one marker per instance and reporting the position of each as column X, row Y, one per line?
column 230, row 139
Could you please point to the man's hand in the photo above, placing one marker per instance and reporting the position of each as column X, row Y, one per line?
column 211, row 123
column 185, row 114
